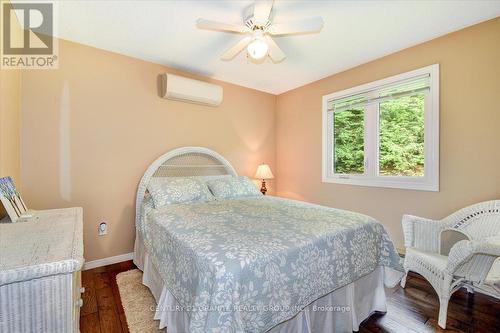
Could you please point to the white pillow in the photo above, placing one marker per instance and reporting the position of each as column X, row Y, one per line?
column 233, row 187
column 166, row 191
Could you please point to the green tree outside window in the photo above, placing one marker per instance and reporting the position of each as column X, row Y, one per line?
column 401, row 138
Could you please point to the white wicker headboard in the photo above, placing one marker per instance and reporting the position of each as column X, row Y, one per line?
column 183, row 162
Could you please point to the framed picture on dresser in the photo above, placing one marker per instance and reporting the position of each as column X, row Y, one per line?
column 11, row 199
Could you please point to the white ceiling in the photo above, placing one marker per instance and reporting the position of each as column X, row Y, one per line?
column 355, row 32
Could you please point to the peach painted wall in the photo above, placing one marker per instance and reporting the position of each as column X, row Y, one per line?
column 10, row 123
column 91, row 128
column 10, row 118
column 469, row 131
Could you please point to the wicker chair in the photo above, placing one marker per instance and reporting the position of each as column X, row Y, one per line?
column 469, row 260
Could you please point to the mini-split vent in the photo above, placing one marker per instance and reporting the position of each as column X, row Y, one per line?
column 191, row 91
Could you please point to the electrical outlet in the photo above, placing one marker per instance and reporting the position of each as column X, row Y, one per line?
column 102, row 229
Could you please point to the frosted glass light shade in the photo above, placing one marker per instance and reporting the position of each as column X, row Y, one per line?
column 258, row 48
column 264, row 172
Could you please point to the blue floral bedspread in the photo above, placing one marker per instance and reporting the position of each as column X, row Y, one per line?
column 247, row 265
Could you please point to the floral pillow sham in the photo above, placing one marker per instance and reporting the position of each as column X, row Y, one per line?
column 166, row 191
column 233, row 187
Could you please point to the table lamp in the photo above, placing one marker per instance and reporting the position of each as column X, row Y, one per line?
column 263, row 173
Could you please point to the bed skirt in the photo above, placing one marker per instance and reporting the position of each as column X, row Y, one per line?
column 342, row 310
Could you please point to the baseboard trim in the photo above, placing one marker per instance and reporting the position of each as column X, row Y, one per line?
column 108, row 261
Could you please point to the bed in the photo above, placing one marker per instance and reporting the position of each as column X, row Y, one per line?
column 256, row 263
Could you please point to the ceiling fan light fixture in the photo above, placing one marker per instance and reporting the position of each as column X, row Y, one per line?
column 259, row 30
column 258, row 48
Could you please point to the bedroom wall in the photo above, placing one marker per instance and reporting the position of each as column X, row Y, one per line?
column 469, row 131
column 10, row 122
column 92, row 127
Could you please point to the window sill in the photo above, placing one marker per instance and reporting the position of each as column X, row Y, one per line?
column 421, row 185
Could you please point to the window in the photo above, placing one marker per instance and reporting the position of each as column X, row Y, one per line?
column 384, row 133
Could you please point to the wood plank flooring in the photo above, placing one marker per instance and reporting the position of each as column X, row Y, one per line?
column 102, row 310
column 413, row 309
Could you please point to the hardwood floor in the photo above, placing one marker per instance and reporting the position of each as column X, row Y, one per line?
column 413, row 309
column 102, row 310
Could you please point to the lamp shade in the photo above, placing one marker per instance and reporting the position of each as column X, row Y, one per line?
column 264, row 172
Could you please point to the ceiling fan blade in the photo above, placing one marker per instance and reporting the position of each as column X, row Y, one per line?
column 219, row 26
column 275, row 52
column 311, row 25
column 236, row 49
column 261, row 11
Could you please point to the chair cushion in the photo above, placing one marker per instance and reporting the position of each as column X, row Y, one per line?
column 493, row 277
column 436, row 260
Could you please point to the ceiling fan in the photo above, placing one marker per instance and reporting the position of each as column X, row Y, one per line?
column 259, row 28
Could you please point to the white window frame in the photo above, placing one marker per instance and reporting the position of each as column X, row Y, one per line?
column 430, row 180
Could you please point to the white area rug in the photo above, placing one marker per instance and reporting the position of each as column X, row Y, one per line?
column 138, row 303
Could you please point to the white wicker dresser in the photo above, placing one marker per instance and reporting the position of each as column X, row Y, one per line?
column 40, row 263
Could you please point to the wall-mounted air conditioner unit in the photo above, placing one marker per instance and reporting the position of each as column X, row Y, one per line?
column 192, row 91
